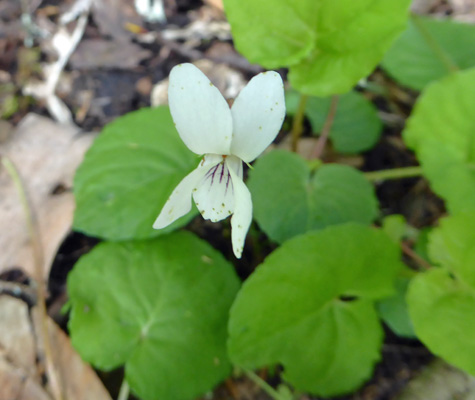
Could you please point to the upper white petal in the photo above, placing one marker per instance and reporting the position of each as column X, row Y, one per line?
column 179, row 202
column 258, row 113
column 201, row 114
column 242, row 217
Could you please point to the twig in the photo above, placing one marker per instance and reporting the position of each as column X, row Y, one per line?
column 416, row 257
column 327, row 126
column 297, row 126
column 20, row 291
column 38, row 258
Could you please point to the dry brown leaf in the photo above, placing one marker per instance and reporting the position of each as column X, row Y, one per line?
column 19, row 376
column 97, row 53
column 112, row 17
column 215, row 3
column 423, row 6
column 305, row 146
column 46, row 155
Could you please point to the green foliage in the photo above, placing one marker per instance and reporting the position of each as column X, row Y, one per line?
column 441, row 301
column 356, row 126
column 395, row 227
column 310, row 306
column 393, row 310
column 441, row 132
column 289, row 199
column 451, row 244
column 328, row 45
column 414, row 60
column 160, row 307
column 128, row 174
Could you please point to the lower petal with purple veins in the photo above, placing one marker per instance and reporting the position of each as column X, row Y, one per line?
column 214, row 193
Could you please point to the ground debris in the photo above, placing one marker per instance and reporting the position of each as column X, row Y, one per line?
column 20, row 374
column 46, row 155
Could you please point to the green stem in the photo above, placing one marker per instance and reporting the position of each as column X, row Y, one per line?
column 297, row 126
column 395, row 173
column 401, row 173
column 438, row 50
column 124, row 391
column 264, row 385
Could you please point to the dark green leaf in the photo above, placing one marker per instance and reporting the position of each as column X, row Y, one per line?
column 310, row 307
column 414, row 61
column 128, row 174
column 160, row 307
column 289, row 200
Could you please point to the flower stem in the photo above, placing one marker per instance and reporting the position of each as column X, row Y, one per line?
column 33, row 232
column 327, row 126
column 264, row 385
column 124, row 391
column 395, row 173
column 297, row 125
column 438, row 50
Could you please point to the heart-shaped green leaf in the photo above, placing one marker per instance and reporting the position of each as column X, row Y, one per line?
column 289, row 200
column 310, row 307
column 128, row 175
column 328, row 44
column 160, row 307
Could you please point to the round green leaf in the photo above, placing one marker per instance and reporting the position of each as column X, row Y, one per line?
column 310, row 307
column 414, row 62
column 160, row 307
column 442, row 311
column 329, row 45
column 289, row 199
column 352, row 37
column 356, row 126
column 441, row 131
column 128, row 174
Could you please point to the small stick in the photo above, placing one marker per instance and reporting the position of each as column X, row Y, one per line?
column 327, row 126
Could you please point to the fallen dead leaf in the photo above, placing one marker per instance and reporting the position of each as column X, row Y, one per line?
column 215, row 3
column 46, row 155
column 20, row 376
column 112, row 17
column 423, row 6
column 97, row 53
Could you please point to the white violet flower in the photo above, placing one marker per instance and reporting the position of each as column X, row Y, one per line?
column 226, row 137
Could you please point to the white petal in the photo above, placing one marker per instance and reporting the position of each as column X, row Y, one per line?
column 179, row 202
column 242, row 217
column 258, row 114
column 214, row 195
column 201, row 114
